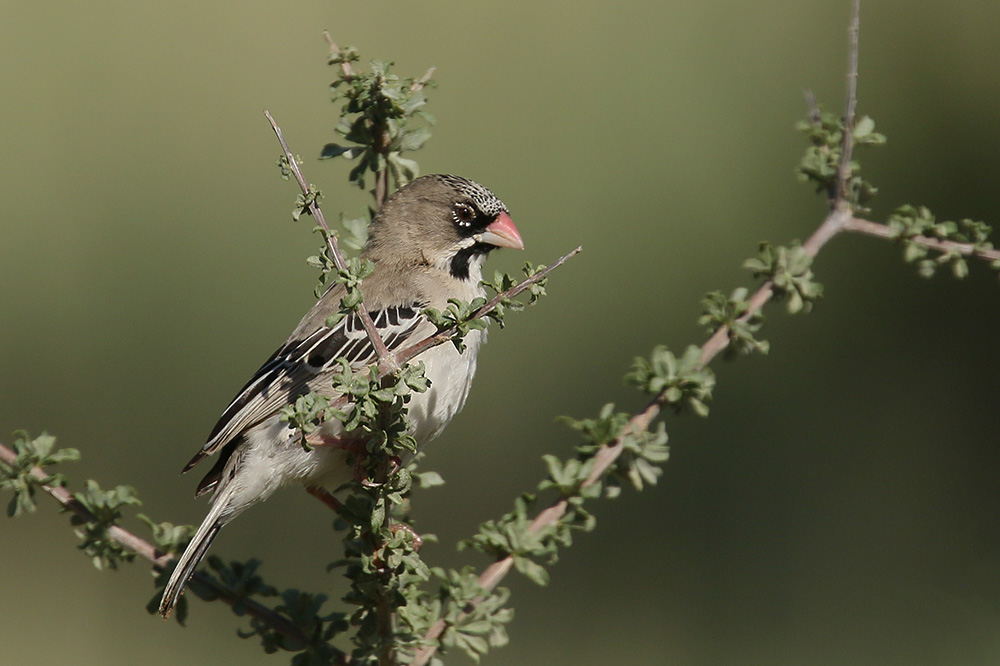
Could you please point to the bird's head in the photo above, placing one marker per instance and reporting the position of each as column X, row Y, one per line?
column 444, row 221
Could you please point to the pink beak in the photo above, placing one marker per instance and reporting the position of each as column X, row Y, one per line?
column 502, row 233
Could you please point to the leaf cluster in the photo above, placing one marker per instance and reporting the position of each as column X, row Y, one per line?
column 513, row 535
column 355, row 232
column 820, row 164
column 473, row 628
column 458, row 317
column 381, row 118
column 105, row 508
column 732, row 313
column 789, row 269
column 503, row 283
column 354, row 271
column 382, row 562
column 168, row 537
column 305, row 612
column 378, row 405
column 18, row 478
column 461, row 317
column 304, row 201
column 682, row 382
column 639, row 463
column 381, row 558
column 914, row 222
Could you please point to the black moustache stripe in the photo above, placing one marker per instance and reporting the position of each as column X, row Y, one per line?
column 460, row 262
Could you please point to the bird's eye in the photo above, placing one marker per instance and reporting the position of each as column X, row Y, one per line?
column 464, row 214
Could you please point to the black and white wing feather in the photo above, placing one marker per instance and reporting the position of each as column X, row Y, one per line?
column 301, row 365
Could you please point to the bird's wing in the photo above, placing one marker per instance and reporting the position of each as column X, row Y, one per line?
column 294, row 368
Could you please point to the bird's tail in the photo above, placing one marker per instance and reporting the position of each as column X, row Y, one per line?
column 195, row 551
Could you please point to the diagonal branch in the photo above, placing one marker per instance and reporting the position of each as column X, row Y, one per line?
column 444, row 335
column 840, row 219
column 640, row 422
column 606, row 456
column 331, row 240
column 400, row 358
column 157, row 558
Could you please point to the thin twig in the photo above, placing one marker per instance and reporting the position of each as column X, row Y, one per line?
column 815, row 115
column 407, row 354
column 851, row 107
column 868, row 228
column 345, row 67
column 422, row 81
column 156, row 557
column 381, row 146
column 331, row 239
column 326, row 497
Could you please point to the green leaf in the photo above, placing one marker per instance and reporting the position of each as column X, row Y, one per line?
column 414, row 139
column 105, row 507
column 681, row 382
column 789, row 271
column 382, row 114
column 429, row 479
column 916, row 226
column 19, row 477
column 168, row 537
column 820, row 164
column 533, row 571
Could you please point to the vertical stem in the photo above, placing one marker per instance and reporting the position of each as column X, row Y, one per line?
column 385, row 613
column 850, row 107
column 381, row 187
column 381, row 147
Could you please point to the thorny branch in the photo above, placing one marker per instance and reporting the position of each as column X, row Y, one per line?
column 641, row 421
column 331, row 239
column 158, row 559
column 839, row 219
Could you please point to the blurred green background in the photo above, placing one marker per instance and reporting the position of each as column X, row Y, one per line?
column 840, row 505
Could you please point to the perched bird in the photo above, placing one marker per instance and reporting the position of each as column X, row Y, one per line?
column 428, row 243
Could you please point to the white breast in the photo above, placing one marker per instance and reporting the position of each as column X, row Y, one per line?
column 450, row 374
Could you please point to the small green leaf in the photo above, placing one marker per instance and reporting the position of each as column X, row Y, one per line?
column 332, row 150
column 533, row 571
column 430, row 479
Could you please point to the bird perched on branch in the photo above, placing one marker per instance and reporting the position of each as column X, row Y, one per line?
column 428, row 243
